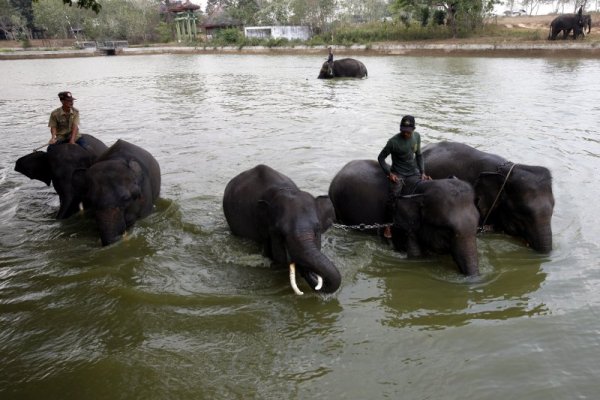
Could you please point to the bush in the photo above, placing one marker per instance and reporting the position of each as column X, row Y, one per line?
column 439, row 16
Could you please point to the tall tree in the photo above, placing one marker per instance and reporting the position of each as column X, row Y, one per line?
column 86, row 4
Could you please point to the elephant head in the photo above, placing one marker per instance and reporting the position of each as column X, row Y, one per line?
column 326, row 71
column 440, row 218
column 519, row 202
column 587, row 21
column 35, row 166
column 118, row 193
column 291, row 223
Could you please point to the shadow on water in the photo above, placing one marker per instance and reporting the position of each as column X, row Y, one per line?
column 430, row 294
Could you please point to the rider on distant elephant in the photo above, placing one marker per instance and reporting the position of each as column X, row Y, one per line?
column 407, row 167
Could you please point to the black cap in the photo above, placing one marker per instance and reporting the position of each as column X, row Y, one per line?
column 407, row 123
column 65, row 96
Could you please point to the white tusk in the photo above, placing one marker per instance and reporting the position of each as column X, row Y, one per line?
column 293, row 280
column 319, row 283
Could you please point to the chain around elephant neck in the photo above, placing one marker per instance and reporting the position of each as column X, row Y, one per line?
column 361, row 227
column 481, row 228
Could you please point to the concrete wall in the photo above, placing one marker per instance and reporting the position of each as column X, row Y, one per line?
column 276, row 32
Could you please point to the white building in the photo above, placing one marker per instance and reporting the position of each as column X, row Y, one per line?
column 277, row 32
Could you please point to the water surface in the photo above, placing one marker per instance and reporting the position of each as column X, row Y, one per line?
column 184, row 310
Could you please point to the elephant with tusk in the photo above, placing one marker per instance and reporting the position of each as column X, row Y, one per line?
column 266, row 206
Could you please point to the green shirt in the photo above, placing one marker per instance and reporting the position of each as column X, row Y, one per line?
column 406, row 155
column 63, row 122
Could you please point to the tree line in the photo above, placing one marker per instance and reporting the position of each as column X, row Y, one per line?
column 143, row 21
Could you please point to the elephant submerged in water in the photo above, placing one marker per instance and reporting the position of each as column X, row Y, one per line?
column 513, row 198
column 346, row 67
column 438, row 217
column 569, row 22
column 266, row 206
column 119, row 188
column 57, row 165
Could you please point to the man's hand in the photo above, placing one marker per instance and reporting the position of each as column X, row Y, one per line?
column 425, row 177
column 393, row 178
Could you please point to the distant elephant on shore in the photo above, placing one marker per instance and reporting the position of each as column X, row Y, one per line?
column 568, row 22
column 513, row 198
column 344, row 68
column 438, row 217
column 587, row 21
column 57, row 165
column 266, row 206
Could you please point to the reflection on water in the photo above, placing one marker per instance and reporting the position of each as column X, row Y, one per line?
column 183, row 309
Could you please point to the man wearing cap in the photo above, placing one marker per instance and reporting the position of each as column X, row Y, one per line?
column 64, row 122
column 407, row 167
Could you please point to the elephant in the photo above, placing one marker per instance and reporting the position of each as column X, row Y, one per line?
column 566, row 23
column 57, row 165
column 346, row 67
column 267, row 207
column 119, row 188
column 587, row 21
column 438, row 216
column 514, row 198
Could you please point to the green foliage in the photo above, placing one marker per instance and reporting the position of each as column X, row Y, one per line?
column 229, row 36
column 381, row 32
column 85, row 4
column 164, row 32
column 424, row 15
column 135, row 21
column 439, row 16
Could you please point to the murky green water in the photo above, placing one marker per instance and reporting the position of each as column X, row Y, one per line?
column 183, row 310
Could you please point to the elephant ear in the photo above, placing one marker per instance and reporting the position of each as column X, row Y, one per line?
column 325, row 211
column 407, row 212
column 35, row 166
column 487, row 186
column 138, row 175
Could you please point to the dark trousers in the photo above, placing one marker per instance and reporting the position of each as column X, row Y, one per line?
column 81, row 141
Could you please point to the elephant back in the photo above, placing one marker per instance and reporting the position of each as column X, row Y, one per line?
column 359, row 193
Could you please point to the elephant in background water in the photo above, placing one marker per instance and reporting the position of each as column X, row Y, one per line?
column 513, row 198
column 346, row 67
column 266, row 206
column 438, row 217
column 569, row 22
column 57, row 165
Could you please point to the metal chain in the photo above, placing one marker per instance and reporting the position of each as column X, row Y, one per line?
column 361, row 227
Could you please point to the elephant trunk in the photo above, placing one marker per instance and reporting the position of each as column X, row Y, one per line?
column 541, row 240
column 464, row 253
column 111, row 224
column 312, row 263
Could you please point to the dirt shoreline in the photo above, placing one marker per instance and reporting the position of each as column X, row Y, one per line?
column 500, row 49
column 472, row 47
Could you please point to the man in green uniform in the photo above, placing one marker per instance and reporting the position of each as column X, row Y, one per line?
column 64, row 122
column 407, row 168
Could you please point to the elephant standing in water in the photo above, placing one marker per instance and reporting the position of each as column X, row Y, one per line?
column 513, row 198
column 57, row 165
column 266, row 206
column 120, row 188
column 567, row 23
column 346, row 67
column 438, row 217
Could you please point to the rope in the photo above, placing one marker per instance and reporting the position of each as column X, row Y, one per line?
column 37, row 148
column 482, row 227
